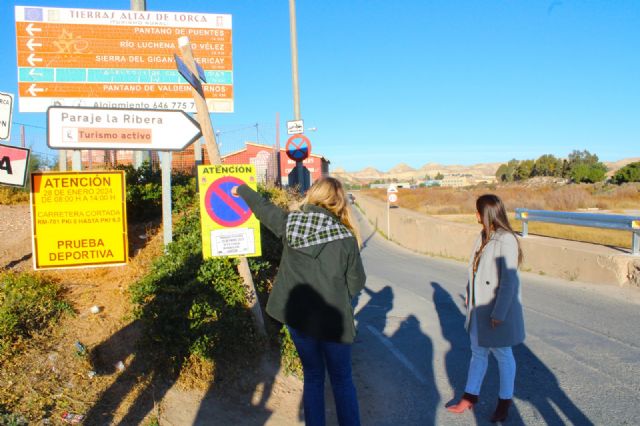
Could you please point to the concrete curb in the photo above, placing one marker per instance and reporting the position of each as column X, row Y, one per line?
column 570, row 260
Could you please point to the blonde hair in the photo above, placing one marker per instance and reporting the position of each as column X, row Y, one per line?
column 329, row 194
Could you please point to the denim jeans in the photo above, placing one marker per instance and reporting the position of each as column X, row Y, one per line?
column 480, row 361
column 315, row 354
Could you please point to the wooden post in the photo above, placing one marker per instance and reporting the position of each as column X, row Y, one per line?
column 214, row 157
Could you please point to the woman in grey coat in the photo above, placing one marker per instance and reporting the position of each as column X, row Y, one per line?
column 494, row 317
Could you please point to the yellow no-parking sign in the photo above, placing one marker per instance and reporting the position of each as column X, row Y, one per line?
column 229, row 227
column 79, row 219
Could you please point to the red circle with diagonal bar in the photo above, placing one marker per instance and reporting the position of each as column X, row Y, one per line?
column 298, row 150
column 224, row 208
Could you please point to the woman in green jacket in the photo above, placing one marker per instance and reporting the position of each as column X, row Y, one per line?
column 320, row 273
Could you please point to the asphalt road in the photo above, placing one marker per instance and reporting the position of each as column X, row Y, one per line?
column 579, row 365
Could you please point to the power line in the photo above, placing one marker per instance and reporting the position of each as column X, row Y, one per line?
column 29, row 125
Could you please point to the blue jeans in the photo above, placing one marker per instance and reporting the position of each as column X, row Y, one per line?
column 480, row 361
column 315, row 354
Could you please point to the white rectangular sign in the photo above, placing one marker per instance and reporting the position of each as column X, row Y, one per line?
column 111, row 128
column 295, row 127
column 232, row 242
column 6, row 109
column 14, row 163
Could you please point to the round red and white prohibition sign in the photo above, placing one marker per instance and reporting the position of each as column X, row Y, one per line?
column 298, row 147
column 224, row 208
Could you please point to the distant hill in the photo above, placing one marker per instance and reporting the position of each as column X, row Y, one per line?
column 404, row 172
column 614, row 166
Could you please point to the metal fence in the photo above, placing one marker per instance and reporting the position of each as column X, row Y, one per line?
column 593, row 220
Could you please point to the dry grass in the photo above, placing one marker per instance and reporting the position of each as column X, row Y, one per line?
column 458, row 204
column 607, row 237
column 48, row 377
column 10, row 195
column 561, row 198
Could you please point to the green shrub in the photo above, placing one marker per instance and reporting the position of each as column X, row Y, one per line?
column 588, row 173
column 190, row 306
column 144, row 191
column 290, row 359
column 629, row 173
column 28, row 303
column 12, row 419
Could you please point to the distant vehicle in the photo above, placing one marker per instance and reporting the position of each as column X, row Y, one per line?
column 351, row 198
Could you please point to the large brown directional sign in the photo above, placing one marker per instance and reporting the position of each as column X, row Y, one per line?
column 119, row 58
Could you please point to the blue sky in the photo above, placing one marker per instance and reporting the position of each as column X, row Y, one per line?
column 447, row 81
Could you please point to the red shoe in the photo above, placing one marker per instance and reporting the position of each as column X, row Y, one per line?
column 466, row 403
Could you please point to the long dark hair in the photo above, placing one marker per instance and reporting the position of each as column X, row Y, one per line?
column 493, row 217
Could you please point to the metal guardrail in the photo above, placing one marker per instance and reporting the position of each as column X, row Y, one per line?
column 593, row 220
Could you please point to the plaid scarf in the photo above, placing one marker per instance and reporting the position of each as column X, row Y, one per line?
column 309, row 229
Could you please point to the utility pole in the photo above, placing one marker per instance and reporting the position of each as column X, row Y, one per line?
column 257, row 134
column 294, row 59
column 139, row 157
column 294, row 79
column 278, row 181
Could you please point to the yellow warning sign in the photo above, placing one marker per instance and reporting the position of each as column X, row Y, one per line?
column 79, row 219
column 229, row 227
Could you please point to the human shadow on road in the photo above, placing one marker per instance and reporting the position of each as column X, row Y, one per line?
column 367, row 238
column 535, row 382
column 382, row 363
column 377, row 308
column 452, row 327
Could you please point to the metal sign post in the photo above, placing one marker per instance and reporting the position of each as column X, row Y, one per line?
column 298, row 148
column 388, row 220
column 392, row 197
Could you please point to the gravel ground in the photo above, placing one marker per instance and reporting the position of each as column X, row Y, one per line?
column 15, row 237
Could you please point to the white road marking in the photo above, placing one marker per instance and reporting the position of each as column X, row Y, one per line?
column 398, row 354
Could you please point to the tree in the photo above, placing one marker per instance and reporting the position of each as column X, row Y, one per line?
column 586, row 173
column 547, row 165
column 582, row 157
column 501, row 173
column 439, row 176
column 523, row 170
column 506, row 171
column 585, row 167
column 629, row 173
